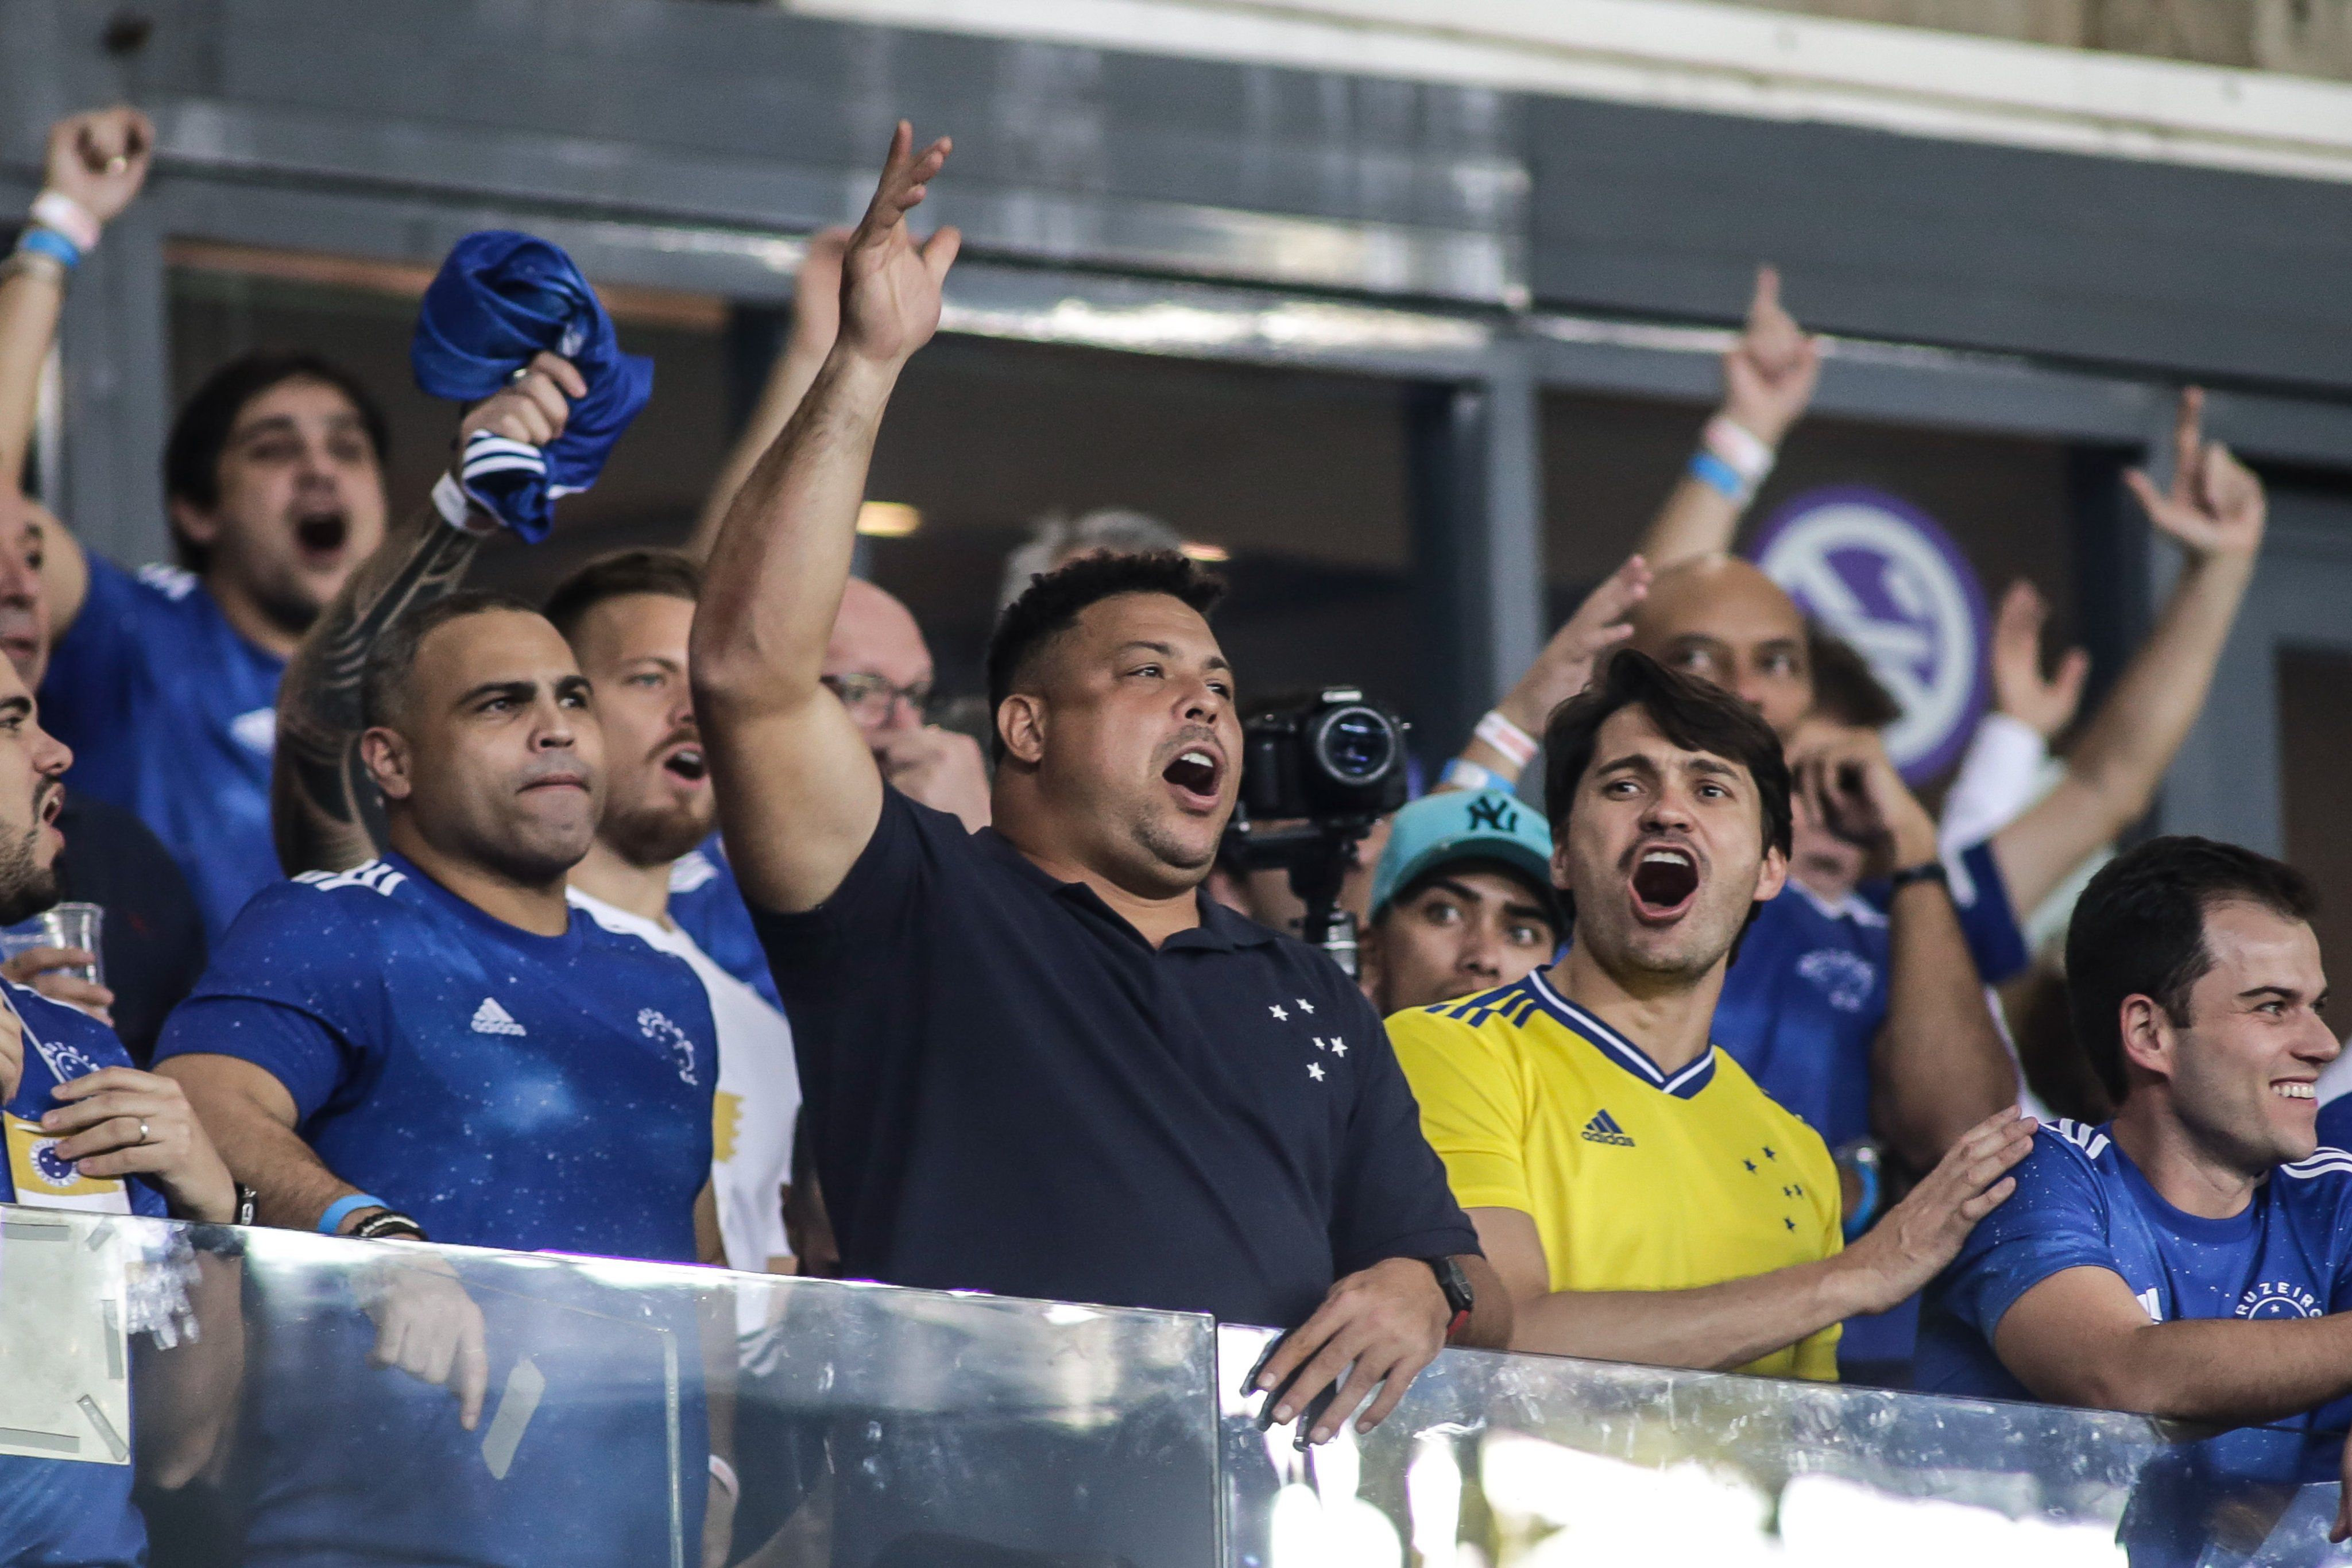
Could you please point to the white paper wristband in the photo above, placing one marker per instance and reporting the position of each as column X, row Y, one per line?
column 1506, row 738
column 61, row 211
column 1739, row 448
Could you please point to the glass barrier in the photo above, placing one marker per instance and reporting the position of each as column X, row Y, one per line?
column 1522, row 1461
column 213, row 1395
column 204, row 1396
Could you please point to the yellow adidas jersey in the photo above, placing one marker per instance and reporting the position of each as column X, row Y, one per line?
column 1636, row 1179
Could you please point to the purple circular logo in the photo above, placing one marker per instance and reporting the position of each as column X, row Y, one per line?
column 1880, row 573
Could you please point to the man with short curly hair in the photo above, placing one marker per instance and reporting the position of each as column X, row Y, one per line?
column 1038, row 1059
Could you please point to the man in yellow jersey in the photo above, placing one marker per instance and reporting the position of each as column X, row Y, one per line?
column 1641, row 1198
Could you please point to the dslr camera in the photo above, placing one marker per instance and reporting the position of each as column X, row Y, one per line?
column 1335, row 756
column 1315, row 775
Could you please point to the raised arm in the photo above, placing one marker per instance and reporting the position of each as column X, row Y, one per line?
column 1743, row 1321
column 1769, row 377
column 816, row 320
column 1938, row 1064
column 323, row 807
column 799, row 793
column 1559, row 672
column 2215, row 509
column 98, row 162
column 2002, row 770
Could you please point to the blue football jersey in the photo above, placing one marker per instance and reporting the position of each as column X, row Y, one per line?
column 706, row 903
column 509, row 1090
column 2335, row 1122
column 172, row 714
column 2080, row 1203
column 1804, row 1000
column 58, row 1513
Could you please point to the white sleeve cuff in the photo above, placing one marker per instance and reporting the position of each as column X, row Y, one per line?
column 1998, row 779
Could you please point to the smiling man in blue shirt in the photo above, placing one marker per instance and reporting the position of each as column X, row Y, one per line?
column 2191, row 1258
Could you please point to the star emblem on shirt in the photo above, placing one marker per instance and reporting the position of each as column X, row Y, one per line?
column 1305, row 1006
column 1315, row 1071
column 1338, row 1046
column 1279, row 1016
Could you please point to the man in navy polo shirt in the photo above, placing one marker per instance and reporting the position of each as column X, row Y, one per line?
column 1039, row 1061
column 2191, row 1258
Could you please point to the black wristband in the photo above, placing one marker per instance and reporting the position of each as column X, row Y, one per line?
column 389, row 1225
column 1925, row 871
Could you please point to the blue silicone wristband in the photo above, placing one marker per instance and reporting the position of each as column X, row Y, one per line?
column 1713, row 471
column 49, row 242
column 340, row 1210
column 1464, row 774
column 1866, row 1173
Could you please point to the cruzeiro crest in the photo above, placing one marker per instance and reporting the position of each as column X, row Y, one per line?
column 1877, row 571
column 656, row 1027
column 2277, row 1299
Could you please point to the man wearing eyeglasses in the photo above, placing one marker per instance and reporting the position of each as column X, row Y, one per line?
column 878, row 665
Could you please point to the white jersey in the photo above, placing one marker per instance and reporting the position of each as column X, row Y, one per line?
column 758, row 1098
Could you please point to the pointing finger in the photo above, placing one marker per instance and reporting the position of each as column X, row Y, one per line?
column 471, row 1378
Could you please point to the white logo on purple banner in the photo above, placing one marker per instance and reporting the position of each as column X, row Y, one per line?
column 1878, row 571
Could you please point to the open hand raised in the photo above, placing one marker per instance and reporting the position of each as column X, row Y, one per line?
column 889, row 284
column 2020, row 689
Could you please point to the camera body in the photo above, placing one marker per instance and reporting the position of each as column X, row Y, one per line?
column 1325, row 770
column 1335, row 755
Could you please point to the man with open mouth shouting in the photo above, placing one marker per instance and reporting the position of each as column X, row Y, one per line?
column 164, row 682
column 1038, row 1060
column 1641, row 1198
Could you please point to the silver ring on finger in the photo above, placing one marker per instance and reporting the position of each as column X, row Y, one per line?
column 116, row 164
column 142, row 1129
column 519, row 375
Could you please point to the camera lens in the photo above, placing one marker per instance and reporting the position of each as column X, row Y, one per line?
column 1355, row 745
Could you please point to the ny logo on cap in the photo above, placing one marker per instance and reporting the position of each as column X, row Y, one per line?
column 1500, row 815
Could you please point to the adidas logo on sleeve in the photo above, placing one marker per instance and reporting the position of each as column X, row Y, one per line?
column 1603, row 1129
column 492, row 1018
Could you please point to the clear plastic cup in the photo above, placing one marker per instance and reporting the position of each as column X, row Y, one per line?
column 62, row 926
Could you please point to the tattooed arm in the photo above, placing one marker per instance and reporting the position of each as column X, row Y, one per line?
column 323, row 807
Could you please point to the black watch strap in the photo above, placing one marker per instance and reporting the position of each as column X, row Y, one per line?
column 1925, row 871
column 1460, row 1299
column 247, row 1201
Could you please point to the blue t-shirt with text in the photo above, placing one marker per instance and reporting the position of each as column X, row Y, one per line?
column 172, row 714
column 2082, row 1203
column 509, row 1090
column 61, row 1513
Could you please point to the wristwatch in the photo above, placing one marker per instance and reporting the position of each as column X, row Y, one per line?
column 1459, row 1297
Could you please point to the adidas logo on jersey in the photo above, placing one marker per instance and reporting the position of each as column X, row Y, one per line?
column 492, row 1018
column 1603, row 1129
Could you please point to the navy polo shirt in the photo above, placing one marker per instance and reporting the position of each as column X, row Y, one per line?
column 1010, row 1090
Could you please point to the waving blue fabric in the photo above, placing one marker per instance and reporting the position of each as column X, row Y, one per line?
column 499, row 298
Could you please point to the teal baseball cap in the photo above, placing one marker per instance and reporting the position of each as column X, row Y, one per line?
column 1464, row 825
